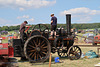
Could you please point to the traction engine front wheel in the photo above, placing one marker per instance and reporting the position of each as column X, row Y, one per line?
column 74, row 52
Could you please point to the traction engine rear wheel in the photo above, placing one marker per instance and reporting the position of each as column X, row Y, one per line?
column 37, row 49
column 74, row 52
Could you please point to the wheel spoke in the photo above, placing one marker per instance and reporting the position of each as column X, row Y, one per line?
column 45, row 47
column 44, row 53
column 33, row 54
column 42, row 45
column 42, row 42
column 41, row 54
column 32, row 43
column 35, row 43
column 75, row 49
column 78, row 52
column 31, row 46
column 63, row 54
column 30, row 54
column 72, row 49
column 39, row 43
column 31, row 51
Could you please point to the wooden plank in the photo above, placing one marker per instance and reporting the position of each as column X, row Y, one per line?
column 50, row 60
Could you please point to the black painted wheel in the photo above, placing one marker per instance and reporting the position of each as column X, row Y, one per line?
column 61, row 49
column 37, row 49
column 41, row 27
column 74, row 52
column 62, row 52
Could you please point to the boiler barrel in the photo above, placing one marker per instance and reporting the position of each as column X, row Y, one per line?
column 68, row 23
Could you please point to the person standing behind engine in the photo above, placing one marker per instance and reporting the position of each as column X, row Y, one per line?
column 53, row 24
column 22, row 29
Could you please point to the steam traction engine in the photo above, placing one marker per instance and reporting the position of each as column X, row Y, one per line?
column 38, row 45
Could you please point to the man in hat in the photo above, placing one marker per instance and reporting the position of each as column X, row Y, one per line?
column 22, row 29
column 22, row 34
column 53, row 24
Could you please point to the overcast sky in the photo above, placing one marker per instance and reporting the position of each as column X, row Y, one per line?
column 14, row 12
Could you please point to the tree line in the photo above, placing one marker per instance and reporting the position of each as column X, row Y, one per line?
column 77, row 26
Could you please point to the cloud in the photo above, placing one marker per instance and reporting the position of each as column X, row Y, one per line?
column 83, row 14
column 82, row 10
column 31, row 20
column 26, row 17
column 26, row 4
column 23, row 17
column 21, row 9
column 5, row 22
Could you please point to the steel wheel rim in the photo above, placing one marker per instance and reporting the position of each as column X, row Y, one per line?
column 74, row 52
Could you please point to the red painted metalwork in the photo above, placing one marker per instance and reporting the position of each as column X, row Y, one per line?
column 6, row 51
column 10, row 51
column 97, row 38
column 27, row 28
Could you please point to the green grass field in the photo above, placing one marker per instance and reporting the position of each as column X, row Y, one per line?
column 82, row 62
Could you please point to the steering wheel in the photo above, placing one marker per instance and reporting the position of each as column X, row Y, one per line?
column 41, row 27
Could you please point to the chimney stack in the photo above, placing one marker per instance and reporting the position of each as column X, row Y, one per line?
column 68, row 23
